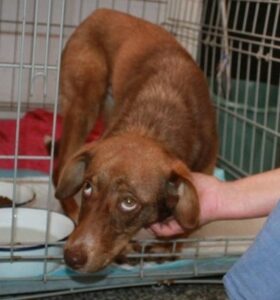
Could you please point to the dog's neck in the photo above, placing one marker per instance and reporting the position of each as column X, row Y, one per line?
column 158, row 113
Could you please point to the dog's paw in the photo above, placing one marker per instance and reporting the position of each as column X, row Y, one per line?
column 154, row 252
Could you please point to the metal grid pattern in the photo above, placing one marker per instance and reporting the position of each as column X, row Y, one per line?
column 32, row 36
column 239, row 50
column 196, row 259
column 236, row 43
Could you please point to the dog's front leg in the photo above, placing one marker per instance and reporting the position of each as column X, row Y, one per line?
column 76, row 126
column 83, row 84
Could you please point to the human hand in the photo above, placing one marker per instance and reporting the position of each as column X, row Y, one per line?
column 208, row 189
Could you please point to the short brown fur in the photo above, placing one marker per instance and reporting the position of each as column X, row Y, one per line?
column 161, row 127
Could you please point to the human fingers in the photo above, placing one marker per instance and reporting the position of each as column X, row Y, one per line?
column 167, row 229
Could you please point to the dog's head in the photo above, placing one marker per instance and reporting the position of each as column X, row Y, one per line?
column 126, row 184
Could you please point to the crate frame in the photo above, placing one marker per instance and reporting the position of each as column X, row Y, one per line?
column 220, row 46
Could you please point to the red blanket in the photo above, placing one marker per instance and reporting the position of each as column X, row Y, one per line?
column 34, row 126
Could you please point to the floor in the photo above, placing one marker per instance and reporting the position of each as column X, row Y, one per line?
column 175, row 292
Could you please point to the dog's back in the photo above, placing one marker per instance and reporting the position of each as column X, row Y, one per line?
column 162, row 126
column 156, row 85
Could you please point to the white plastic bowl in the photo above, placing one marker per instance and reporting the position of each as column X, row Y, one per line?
column 24, row 192
column 30, row 238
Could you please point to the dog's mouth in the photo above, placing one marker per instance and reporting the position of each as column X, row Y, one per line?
column 85, row 262
column 88, row 258
column 86, row 265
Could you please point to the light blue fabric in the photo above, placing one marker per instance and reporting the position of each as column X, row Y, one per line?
column 256, row 275
column 7, row 173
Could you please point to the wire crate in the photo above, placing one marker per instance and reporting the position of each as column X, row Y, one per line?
column 235, row 42
column 199, row 260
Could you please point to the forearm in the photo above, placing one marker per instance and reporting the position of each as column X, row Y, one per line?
column 250, row 197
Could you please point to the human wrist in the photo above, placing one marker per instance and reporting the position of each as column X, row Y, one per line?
column 210, row 192
column 230, row 201
column 225, row 190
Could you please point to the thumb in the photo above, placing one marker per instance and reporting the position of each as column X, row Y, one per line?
column 169, row 228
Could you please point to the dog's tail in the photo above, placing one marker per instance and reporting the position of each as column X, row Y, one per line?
column 48, row 144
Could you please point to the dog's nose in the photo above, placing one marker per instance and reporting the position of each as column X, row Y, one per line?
column 75, row 257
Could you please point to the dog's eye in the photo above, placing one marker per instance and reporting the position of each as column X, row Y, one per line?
column 128, row 204
column 87, row 190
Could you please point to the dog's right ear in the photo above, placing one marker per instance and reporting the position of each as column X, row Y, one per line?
column 72, row 175
column 182, row 196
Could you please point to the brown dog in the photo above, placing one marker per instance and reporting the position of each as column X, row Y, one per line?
column 162, row 126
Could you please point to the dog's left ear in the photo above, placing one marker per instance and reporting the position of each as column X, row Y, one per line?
column 182, row 196
column 72, row 176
